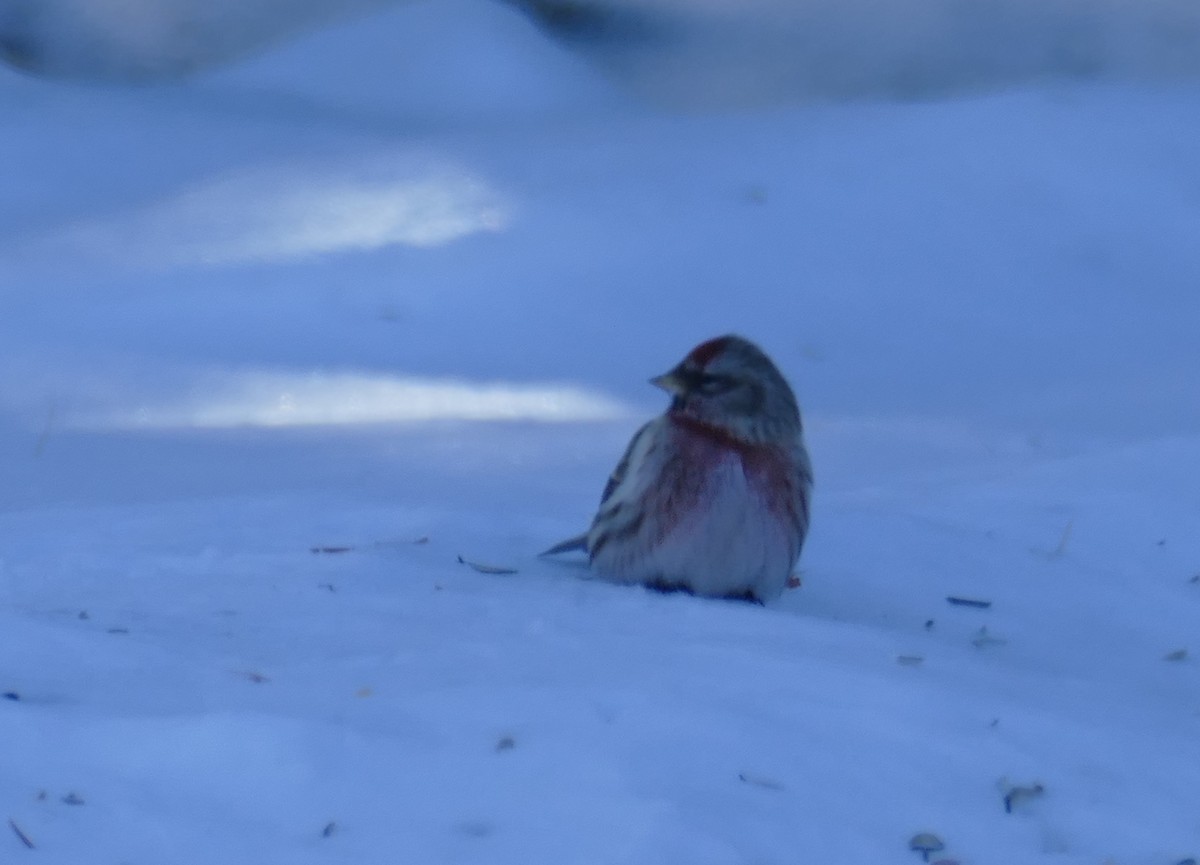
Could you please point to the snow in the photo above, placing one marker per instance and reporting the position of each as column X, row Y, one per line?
column 401, row 307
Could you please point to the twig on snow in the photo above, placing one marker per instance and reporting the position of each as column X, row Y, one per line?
column 25, row 839
column 486, row 569
column 968, row 602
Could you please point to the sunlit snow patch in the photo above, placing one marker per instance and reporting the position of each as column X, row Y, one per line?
column 275, row 399
column 276, row 215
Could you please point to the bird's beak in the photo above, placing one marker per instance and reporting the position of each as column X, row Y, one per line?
column 670, row 382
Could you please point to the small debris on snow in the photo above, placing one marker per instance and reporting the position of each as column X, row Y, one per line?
column 329, row 829
column 400, row 543
column 926, row 843
column 256, row 678
column 330, row 550
column 929, row 624
column 43, row 439
column 910, row 660
column 486, row 569
column 25, row 839
column 72, row 798
column 759, row 781
column 968, row 602
column 794, row 582
column 474, row 828
column 41, row 796
column 1059, row 551
column 83, row 615
column 12, row 695
column 506, row 743
column 1017, row 794
column 365, row 691
column 329, row 587
column 118, row 630
column 983, row 639
column 1191, row 860
column 1177, row 655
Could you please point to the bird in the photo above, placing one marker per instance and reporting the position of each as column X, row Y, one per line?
column 711, row 498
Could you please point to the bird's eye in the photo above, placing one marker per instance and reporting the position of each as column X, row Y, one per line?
column 716, row 384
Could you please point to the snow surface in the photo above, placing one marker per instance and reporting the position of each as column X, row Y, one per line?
column 404, row 300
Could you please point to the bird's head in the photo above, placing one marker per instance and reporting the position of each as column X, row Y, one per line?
column 728, row 383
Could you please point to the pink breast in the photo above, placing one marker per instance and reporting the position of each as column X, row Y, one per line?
column 701, row 449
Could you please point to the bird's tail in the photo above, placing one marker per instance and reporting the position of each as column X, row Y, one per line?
column 578, row 542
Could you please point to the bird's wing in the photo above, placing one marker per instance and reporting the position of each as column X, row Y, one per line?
column 618, row 474
column 580, row 542
column 802, row 491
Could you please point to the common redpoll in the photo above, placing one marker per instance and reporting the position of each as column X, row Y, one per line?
column 712, row 496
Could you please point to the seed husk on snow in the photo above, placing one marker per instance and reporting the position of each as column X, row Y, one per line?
column 759, row 781
column 983, row 638
column 1016, row 794
column 968, row 602
column 1061, row 549
column 486, row 569
column 926, row 843
column 1177, row 655
column 25, row 839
